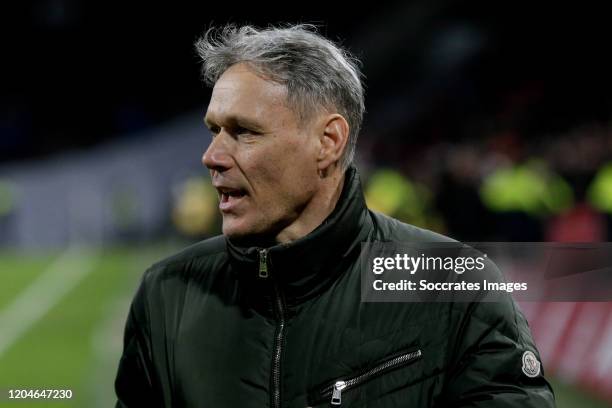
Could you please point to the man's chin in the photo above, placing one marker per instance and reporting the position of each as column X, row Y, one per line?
column 235, row 227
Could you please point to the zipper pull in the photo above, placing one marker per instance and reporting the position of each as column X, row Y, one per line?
column 337, row 392
column 263, row 263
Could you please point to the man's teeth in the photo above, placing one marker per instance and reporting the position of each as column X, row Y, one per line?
column 233, row 193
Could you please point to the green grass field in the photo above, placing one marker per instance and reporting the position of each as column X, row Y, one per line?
column 74, row 340
column 77, row 342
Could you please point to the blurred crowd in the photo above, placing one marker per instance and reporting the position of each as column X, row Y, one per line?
column 501, row 186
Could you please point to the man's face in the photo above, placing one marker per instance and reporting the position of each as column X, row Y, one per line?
column 262, row 162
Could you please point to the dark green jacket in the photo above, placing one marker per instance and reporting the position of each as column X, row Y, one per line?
column 219, row 325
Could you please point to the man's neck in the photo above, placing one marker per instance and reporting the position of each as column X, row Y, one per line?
column 316, row 211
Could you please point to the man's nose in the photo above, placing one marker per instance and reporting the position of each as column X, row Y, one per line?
column 217, row 156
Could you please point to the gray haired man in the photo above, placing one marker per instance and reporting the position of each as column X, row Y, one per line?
column 269, row 313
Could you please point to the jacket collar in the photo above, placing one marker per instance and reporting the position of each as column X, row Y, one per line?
column 308, row 265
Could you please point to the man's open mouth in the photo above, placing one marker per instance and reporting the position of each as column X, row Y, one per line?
column 229, row 195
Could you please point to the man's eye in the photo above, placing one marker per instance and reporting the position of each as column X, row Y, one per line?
column 214, row 130
column 244, row 131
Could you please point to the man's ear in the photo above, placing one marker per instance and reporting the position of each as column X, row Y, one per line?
column 334, row 138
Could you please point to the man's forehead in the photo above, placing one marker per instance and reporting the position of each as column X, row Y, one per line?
column 240, row 91
column 240, row 81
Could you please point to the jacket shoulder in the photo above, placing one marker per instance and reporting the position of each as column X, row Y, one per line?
column 210, row 247
column 390, row 229
column 200, row 258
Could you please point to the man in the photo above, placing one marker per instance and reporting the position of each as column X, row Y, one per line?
column 269, row 313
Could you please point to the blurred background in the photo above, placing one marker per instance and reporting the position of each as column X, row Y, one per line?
column 485, row 122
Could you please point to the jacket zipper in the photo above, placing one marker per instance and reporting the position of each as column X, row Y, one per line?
column 278, row 349
column 336, row 389
column 263, row 263
column 280, row 330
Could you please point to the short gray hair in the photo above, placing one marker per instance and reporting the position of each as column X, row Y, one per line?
column 316, row 72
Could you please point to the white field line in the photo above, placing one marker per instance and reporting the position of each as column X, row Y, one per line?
column 107, row 337
column 107, row 344
column 31, row 305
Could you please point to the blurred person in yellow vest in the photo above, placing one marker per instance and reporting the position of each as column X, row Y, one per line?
column 599, row 193
column 389, row 192
column 8, row 204
column 194, row 211
column 523, row 194
column 7, row 198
